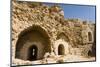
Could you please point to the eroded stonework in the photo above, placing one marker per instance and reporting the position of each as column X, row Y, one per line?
column 41, row 34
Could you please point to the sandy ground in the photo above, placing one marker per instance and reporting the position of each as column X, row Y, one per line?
column 61, row 59
column 57, row 59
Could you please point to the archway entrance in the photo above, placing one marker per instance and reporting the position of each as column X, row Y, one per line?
column 32, row 44
column 32, row 53
column 61, row 50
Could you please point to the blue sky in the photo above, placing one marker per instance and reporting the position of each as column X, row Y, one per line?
column 82, row 12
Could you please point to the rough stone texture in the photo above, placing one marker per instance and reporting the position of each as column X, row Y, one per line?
column 46, row 28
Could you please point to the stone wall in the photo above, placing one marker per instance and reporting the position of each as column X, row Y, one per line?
column 28, row 17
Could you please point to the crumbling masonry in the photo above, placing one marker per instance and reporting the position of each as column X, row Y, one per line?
column 44, row 29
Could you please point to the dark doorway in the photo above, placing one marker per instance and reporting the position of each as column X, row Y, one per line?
column 61, row 50
column 92, row 52
column 90, row 36
column 32, row 53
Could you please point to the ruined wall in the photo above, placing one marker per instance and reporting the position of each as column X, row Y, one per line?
column 50, row 23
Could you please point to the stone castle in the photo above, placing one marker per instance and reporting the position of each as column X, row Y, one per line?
column 41, row 34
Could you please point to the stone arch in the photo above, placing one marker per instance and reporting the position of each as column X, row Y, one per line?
column 33, row 37
column 61, row 50
column 61, row 44
column 89, row 36
column 62, row 35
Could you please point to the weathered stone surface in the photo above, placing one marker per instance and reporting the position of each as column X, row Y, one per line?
column 46, row 28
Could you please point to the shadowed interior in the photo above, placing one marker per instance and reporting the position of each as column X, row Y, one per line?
column 35, row 38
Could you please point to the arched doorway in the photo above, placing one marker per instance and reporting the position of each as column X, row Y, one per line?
column 89, row 36
column 34, row 37
column 61, row 45
column 61, row 50
column 32, row 53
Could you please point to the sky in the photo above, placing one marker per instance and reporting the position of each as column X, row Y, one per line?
column 83, row 12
